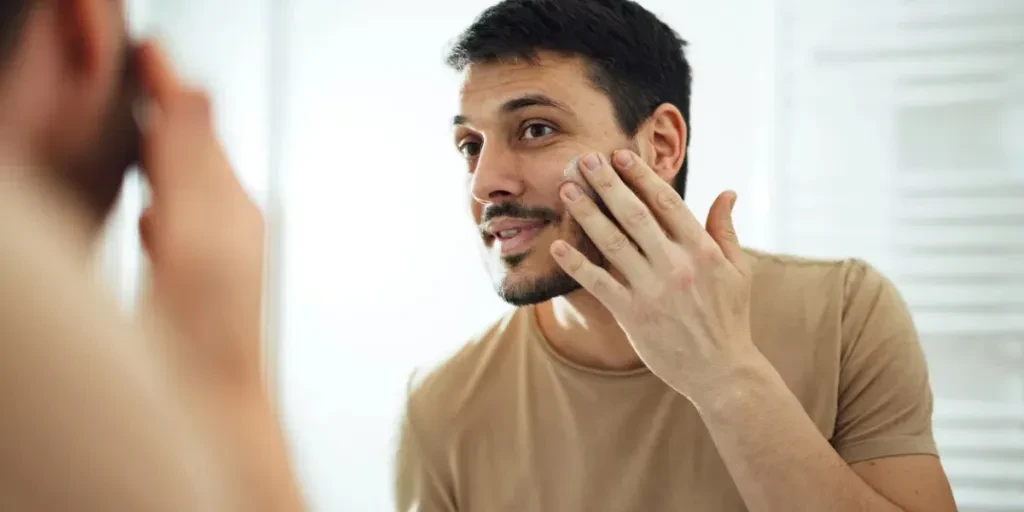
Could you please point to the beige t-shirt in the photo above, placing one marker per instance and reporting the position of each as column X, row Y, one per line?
column 507, row 424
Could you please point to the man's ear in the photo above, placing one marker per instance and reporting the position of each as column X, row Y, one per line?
column 662, row 141
column 90, row 36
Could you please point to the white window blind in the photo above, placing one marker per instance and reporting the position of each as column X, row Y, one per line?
column 901, row 140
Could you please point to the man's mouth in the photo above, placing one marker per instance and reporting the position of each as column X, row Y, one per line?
column 514, row 236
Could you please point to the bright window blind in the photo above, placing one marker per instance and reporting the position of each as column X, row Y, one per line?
column 901, row 141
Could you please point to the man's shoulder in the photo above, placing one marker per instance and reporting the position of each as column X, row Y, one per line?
column 442, row 390
column 826, row 320
column 785, row 278
column 818, row 301
column 829, row 306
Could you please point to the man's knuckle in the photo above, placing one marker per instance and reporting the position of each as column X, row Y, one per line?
column 602, row 182
column 637, row 216
column 575, row 263
column 668, row 199
column 638, row 174
column 616, row 242
column 655, row 293
column 708, row 252
column 604, row 285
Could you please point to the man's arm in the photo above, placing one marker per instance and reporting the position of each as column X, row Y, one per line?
column 683, row 300
column 779, row 459
column 205, row 239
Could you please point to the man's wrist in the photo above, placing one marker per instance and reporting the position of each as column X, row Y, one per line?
column 746, row 383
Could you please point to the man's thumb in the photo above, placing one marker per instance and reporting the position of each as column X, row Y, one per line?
column 720, row 226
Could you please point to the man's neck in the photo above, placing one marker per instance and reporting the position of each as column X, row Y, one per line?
column 33, row 183
column 582, row 330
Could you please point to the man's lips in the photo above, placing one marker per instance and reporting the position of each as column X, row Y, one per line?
column 513, row 236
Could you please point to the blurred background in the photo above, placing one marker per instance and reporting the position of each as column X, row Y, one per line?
column 889, row 130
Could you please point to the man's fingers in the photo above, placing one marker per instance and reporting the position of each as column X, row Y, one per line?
column 632, row 214
column 615, row 245
column 720, row 226
column 158, row 76
column 592, row 278
column 180, row 129
column 660, row 197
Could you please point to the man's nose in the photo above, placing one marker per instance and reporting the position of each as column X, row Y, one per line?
column 496, row 177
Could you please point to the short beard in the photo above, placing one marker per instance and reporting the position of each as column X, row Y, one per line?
column 557, row 283
column 542, row 289
column 97, row 175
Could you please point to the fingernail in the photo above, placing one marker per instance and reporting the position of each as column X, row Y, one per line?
column 732, row 202
column 558, row 248
column 623, row 159
column 571, row 192
column 591, row 162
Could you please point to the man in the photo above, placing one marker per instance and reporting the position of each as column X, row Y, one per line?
column 651, row 363
column 99, row 412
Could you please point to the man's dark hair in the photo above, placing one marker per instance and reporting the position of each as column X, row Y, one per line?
column 12, row 20
column 635, row 58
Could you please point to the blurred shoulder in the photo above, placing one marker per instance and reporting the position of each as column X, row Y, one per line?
column 439, row 395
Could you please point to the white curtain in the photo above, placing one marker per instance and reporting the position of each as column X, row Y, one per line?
column 901, row 141
column 865, row 129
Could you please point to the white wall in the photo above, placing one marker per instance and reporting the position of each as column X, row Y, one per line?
column 899, row 145
column 205, row 50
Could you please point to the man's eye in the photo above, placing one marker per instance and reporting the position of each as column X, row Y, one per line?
column 536, row 131
column 470, row 149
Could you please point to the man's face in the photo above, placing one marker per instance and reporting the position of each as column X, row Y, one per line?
column 519, row 128
column 97, row 139
column 115, row 146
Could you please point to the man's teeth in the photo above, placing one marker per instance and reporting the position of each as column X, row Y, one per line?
column 509, row 233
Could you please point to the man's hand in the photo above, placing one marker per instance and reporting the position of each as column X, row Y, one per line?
column 202, row 233
column 204, row 237
column 684, row 301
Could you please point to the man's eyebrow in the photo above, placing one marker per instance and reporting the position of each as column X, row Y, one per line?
column 514, row 104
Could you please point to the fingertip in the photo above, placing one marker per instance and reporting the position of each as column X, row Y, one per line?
column 624, row 158
column 158, row 75
column 732, row 196
column 559, row 249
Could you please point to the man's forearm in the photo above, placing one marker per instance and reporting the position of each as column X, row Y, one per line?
column 776, row 455
column 254, row 447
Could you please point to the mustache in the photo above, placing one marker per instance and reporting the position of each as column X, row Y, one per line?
column 517, row 211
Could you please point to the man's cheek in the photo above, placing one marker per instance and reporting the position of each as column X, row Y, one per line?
column 572, row 174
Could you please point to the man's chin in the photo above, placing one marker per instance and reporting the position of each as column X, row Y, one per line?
column 522, row 291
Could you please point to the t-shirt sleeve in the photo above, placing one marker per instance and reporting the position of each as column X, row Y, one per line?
column 885, row 399
column 421, row 484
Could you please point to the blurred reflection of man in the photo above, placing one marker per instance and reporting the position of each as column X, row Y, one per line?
column 99, row 412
